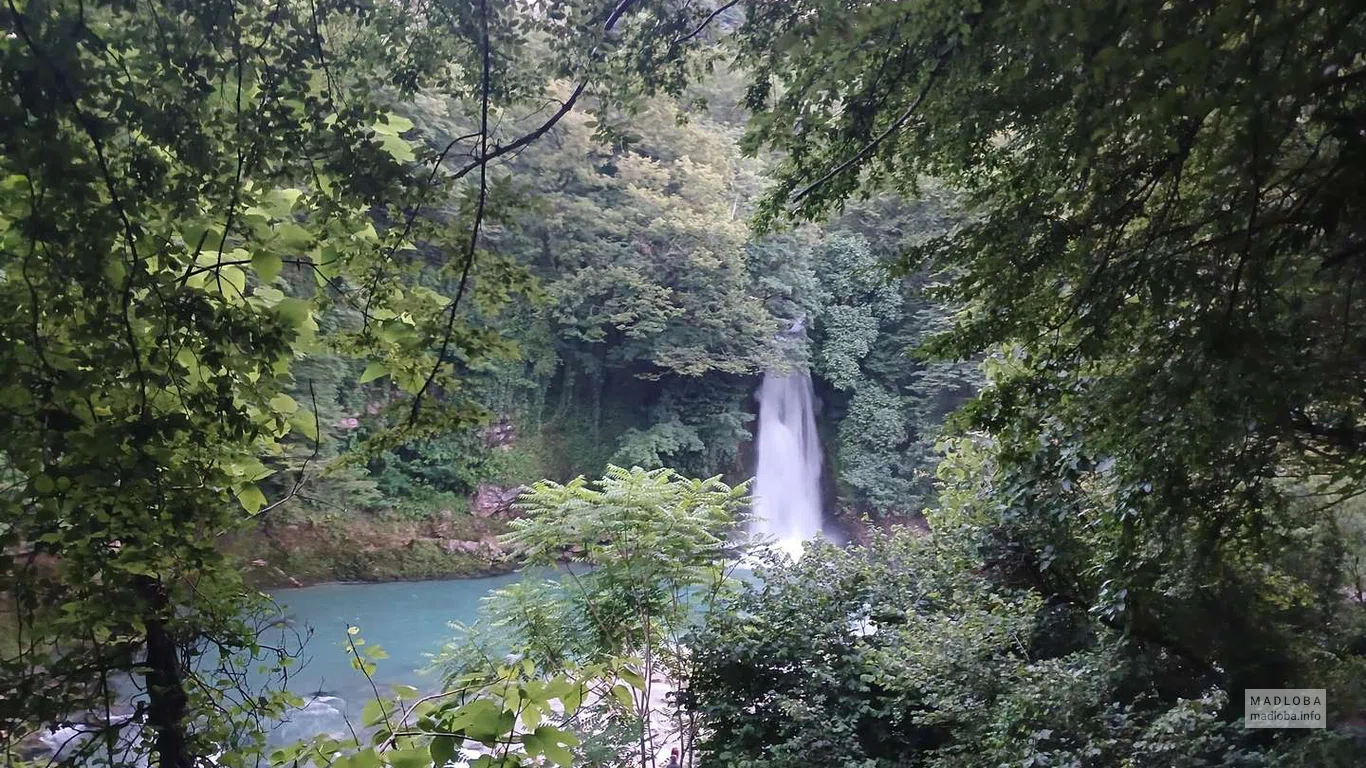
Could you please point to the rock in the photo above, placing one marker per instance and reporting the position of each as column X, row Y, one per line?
column 31, row 748
column 496, row 500
column 500, row 435
column 460, row 546
column 485, row 549
column 455, row 546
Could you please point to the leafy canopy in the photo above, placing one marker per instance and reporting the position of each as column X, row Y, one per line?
column 194, row 196
column 1165, row 216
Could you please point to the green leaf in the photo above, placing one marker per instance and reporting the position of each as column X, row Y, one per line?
column 482, row 720
column 296, row 312
column 393, row 124
column 115, row 271
column 267, row 265
column 532, row 744
column 632, row 677
column 397, row 147
column 623, row 694
column 373, row 370
column 232, row 279
column 267, row 296
column 413, row 757
column 280, row 202
column 292, row 236
column 572, row 699
column 531, row 715
column 553, row 741
column 283, row 403
column 365, row 758
column 251, row 498
column 373, row 713
column 249, row 468
column 559, row 755
column 305, row 423
column 443, row 750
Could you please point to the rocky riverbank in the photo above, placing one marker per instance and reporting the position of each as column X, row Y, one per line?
column 317, row 548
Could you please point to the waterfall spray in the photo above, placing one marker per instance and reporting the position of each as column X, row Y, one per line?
column 787, row 483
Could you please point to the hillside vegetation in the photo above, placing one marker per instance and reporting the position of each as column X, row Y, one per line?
column 306, row 290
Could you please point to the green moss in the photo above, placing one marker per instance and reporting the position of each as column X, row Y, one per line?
column 522, row 463
column 572, row 446
column 427, row 505
column 366, row 549
column 420, row 559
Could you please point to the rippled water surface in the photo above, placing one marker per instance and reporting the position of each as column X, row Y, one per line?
column 409, row 620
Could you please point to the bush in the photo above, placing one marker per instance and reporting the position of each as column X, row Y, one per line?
column 899, row 655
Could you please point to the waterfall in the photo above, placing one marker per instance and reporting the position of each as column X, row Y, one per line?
column 787, row 483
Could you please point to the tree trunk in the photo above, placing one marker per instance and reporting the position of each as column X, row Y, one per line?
column 167, row 703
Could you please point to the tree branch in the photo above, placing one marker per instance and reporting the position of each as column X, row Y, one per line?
column 481, row 163
column 478, row 211
column 896, row 125
column 705, row 22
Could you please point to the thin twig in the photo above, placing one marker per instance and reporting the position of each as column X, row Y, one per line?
column 706, row 22
column 360, row 664
column 896, row 125
column 478, row 211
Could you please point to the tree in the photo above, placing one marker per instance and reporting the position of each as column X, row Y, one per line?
column 905, row 653
column 883, row 402
column 161, row 169
column 650, row 319
column 192, row 196
column 1156, row 171
column 1161, row 247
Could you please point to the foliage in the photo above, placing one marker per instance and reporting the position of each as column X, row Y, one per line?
column 884, row 403
column 241, row 241
column 657, row 307
column 646, row 561
column 655, row 446
column 162, row 167
column 1159, row 257
column 193, row 196
column 1162, row 241
column 903, row 654
column 643, row 254
column 499, row 719
column 649, row 321
column 856, row 296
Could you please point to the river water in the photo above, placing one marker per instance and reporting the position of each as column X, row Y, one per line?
column 409, row 620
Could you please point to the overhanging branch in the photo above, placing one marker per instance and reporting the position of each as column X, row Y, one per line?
column 872, row 145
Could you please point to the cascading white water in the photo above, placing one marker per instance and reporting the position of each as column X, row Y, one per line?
column 787, row 483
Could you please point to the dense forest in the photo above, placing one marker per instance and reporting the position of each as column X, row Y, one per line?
column 325, row 290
